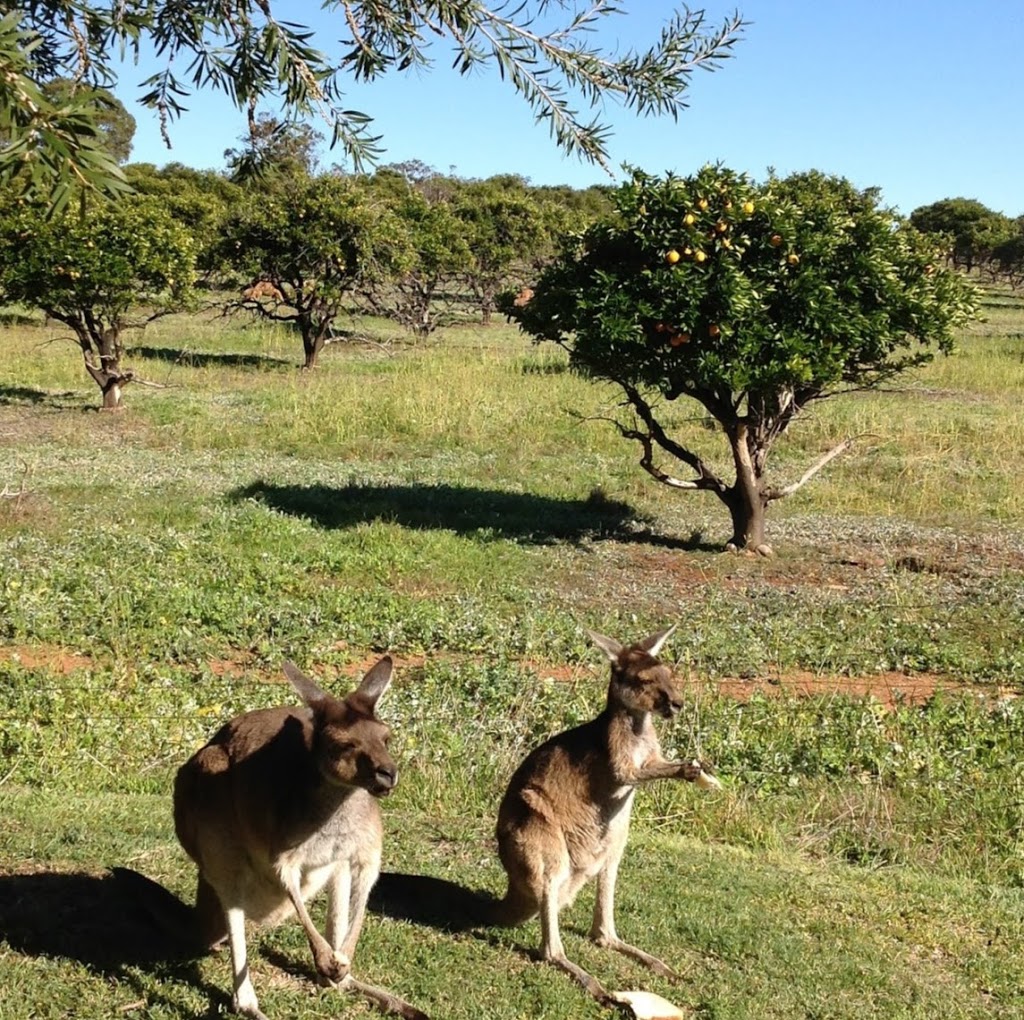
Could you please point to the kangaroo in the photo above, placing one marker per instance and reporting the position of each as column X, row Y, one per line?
column 565, row 816
column 281, row 803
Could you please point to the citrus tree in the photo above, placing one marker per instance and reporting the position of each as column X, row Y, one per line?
column 118, row 267
column 752, row 300
column 504, row 227
column 315, row 241
column 972, row 230
column 422, row 291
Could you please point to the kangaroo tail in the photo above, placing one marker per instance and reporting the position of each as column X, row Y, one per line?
column 514, row 908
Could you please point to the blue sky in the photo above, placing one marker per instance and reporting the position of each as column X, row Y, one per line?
column 922, row 99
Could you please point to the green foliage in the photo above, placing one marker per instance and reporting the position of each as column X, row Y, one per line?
column 970, row 229
column 197, row 199
column 274, row 146
column 115, row 124
column 91, row 272
column 49, row 147
column 813, row 288
column 506, row 232
column 99, row 267
column 250, row 54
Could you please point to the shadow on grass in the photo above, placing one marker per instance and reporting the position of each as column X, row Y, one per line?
column 94, row 920
column 10, row 395
column 204, row 359
column 487, row 513
column 483, row 513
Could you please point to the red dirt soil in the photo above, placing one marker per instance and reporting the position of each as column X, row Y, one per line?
column 889, row 689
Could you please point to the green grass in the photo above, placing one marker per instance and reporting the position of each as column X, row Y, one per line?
column 445, row 502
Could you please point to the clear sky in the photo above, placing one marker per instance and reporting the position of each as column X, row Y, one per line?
column 922, row 98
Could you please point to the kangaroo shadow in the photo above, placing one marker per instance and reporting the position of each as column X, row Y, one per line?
column 205, row 359
column 430, row 902
column 97, row 921
column 483, row 513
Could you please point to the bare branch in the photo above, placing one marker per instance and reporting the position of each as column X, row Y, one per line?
column 788, row 490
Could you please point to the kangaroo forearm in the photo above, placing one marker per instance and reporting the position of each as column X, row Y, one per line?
column 689, row 770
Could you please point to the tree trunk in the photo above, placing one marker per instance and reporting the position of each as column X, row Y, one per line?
column 745, row 499
column 106, row 368
column 312, row 344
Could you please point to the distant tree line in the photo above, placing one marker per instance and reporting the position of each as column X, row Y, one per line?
column 977, row 239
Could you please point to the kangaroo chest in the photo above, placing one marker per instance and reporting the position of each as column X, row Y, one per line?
column 350, row 832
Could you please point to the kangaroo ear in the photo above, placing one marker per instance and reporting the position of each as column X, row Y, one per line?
column 376, row 681
column 608, row 645
column 652, row 645
column 307, row 688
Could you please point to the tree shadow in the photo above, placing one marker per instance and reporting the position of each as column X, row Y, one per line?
column 483, row 513
column 11, row 395
column 205, row 359
column 95, row 920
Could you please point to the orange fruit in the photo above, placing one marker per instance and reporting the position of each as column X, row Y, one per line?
column 748, row 207
column 721, row 226
column 792, row 258
column 679, row 339
column 699, row 256
column 672, row 257
column 775, row 240
column 714, row 329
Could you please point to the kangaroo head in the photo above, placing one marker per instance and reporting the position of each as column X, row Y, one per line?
column 350, row 744
column 640, row 681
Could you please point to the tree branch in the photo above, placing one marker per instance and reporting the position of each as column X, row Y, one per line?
column 706, row 479
column 788, row 490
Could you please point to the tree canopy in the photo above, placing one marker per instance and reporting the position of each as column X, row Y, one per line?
column 252, row 51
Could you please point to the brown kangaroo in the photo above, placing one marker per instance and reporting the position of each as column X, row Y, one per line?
column 565, row 816
column 280, row 804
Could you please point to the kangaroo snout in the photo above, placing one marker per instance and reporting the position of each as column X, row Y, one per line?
column 385, row 778
column 669, row 704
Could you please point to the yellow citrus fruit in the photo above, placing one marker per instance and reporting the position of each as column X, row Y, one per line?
column 702, row 204
column 726, row 243
column 792, row 258
column 699, row 256
column 687, row 252
column 721, row 226
column 689, row 219
column 672, row 257
column 748, row 207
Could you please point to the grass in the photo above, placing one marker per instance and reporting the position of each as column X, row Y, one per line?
column 444, row 502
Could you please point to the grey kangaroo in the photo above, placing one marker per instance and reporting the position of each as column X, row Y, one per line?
column 280, row 804
column 565, row 816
